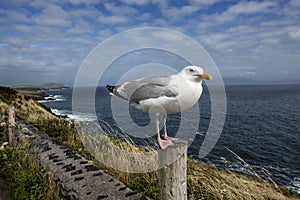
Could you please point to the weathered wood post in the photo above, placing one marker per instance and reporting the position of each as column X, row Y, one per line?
column 11, row 124
column 172, row 163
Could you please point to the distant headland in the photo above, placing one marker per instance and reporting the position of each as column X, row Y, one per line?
column 35, row 92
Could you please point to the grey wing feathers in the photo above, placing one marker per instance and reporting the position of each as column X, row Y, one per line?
column 127, row 89
column 151, row 90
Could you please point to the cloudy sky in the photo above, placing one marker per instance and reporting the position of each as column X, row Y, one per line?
column 46, row 41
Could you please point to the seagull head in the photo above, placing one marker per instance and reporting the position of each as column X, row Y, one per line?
column 195, row 73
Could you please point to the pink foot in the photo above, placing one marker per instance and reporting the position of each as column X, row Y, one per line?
column 164, row 143
column 170, row 138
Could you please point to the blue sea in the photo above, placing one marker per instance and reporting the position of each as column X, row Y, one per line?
column 262, row 127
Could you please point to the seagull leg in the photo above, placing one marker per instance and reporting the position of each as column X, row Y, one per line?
column 165, row 130
column 162, row 143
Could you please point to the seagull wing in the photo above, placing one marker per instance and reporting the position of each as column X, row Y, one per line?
column 151, row 91
column 126, row 90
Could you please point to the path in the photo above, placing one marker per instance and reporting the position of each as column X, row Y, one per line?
column 5, row 190
column 78, row 178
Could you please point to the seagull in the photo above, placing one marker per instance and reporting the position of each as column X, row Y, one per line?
column 163, row 94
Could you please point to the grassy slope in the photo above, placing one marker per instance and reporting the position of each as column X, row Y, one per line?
column 204, row 181
column 27, row 178
column 36, row 95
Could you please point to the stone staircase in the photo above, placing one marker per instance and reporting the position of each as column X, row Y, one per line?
column 78, row 177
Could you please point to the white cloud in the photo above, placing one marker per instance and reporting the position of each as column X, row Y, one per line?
column 54, row 36
column 174, row 12
column 295, row 3
column 294, row 33
column 243, row 7
column 144, row 17
column 12, row 16
column 249, row 7
column 113, row 19
column 24, row 28
column 80, row 26
column 104, row 34
column 88, row 12
column 203, row 2
column 222, row 18
column 52, row 15
column 88, row 2
column 121, row 10
column 137, row 2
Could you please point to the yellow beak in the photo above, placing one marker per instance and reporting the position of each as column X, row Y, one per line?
column 205, row 76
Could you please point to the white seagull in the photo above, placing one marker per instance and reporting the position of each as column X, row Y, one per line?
column 163, row 94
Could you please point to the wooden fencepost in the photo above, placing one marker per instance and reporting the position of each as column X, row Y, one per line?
column 172, row 171
column 11, row 124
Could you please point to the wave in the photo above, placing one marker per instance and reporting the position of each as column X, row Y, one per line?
column 294, row 185
column 53, row 98
column 74, row 116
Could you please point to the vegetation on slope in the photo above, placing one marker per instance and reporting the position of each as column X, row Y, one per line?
column 19, row 165
column 27, row 178
column 204, row 181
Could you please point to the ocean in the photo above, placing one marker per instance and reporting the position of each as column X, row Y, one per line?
column 262, row 127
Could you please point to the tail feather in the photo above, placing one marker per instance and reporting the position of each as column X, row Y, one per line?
column 110, row 88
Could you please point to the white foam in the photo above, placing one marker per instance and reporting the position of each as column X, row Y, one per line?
column 294, row 185
column 74, row 116
column 53, row 98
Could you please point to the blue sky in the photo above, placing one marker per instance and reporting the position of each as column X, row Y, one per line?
column 46, row 41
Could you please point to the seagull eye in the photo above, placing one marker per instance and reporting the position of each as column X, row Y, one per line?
column 191, row 70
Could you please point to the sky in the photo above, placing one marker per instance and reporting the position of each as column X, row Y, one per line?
column 47, row 41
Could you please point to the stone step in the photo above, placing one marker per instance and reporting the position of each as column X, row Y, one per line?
column 78, row 177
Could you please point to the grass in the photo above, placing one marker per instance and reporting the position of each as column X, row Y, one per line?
column 121, row 157
column 208, row 182
column 18, row 164
column 31, row 93
column 123, row 160
column 7, row 95
column 204, row 181
column 27, row 178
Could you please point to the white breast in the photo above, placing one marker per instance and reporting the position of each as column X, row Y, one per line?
column 188, row 92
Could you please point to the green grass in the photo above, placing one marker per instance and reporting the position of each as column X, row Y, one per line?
column 27, row 178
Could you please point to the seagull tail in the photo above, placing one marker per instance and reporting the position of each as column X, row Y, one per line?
column 110, row 88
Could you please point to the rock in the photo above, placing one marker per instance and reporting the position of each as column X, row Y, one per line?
column 3, row 146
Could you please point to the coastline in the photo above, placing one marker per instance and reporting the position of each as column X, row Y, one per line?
column 37, row 92
column 210, row 170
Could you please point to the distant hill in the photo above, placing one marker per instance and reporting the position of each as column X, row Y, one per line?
column 35, row 92
column 239, row 81
column 53, row 86
column 286, row 81
column 46, row 86
column 248, row 81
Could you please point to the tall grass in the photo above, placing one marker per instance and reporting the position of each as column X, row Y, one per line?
column 121, row 156
column 117, row 155
column 28, row 179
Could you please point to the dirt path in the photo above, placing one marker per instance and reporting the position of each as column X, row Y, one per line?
column 4, row 189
